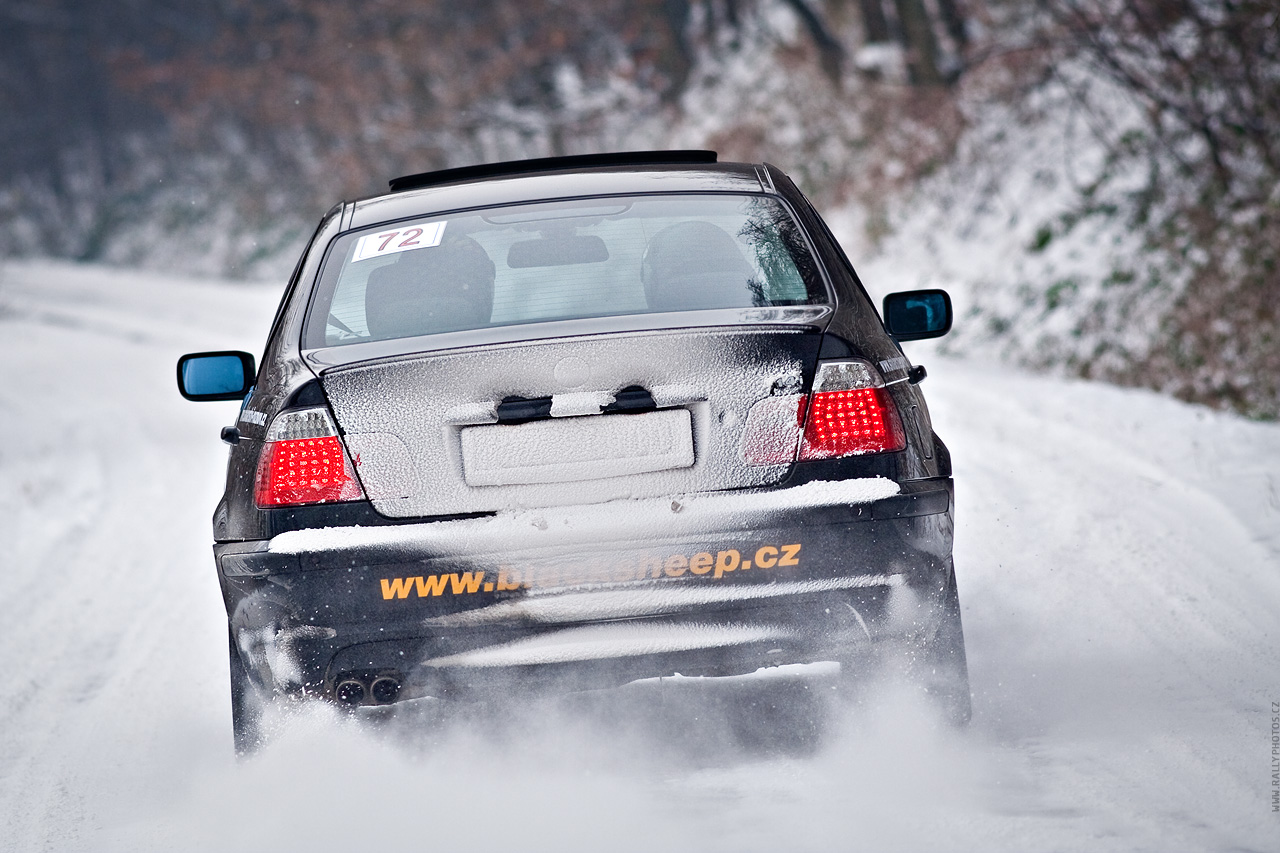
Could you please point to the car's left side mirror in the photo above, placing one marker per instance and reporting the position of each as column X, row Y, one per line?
column 913, row 315
column 226, row 375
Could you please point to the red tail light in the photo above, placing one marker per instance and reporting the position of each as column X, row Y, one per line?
column 849, row 423
column 304, row 462
column 849, row 413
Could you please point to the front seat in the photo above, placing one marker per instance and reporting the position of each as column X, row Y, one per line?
column 694, row 265
column 444, row 288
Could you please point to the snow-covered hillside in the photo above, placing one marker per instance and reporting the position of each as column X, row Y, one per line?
column 1119, row 566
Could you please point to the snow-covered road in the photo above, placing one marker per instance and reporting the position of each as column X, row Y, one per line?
column 1119, row 567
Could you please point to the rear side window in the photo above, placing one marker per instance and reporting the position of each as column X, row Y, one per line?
column 565, row 260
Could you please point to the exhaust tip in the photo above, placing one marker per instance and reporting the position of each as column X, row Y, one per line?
column 385, row 690
column 349, row 692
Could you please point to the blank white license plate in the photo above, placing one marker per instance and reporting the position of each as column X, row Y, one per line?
column 563, row 450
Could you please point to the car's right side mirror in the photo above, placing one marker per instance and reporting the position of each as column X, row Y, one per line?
column 913, row 315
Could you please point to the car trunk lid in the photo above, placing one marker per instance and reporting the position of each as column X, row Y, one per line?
column 565, row 421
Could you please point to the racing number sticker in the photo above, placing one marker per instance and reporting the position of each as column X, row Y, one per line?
column 398, row 240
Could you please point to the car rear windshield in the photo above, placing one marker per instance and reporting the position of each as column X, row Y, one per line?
column 532, row 263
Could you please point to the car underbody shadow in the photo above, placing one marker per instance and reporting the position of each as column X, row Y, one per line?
column 664, row 723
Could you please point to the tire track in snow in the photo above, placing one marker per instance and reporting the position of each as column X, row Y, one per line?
column 106, row 530
column 1119, row 617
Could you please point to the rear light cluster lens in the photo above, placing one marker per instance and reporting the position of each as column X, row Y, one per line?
column 304, row 462
column 848, row 423
column 849, row 413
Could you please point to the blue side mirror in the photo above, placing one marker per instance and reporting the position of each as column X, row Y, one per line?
column 215, row 375
column 916, row 314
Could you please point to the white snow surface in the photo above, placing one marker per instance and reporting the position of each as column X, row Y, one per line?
column 571, row 449
column 579, row 403
column 589, row 523
column 1118, row 561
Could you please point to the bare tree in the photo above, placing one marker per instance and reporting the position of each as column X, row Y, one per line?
column 1205, row 69
column 920, row 43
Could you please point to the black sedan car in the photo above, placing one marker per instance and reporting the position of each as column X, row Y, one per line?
column 574, row 422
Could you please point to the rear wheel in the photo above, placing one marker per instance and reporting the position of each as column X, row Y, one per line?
column 246, row 704
column 943, row 669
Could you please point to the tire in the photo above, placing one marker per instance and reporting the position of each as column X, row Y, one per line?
column 945, row 670
column 246, row 704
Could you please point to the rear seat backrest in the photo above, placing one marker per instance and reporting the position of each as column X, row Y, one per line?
column 441, row 288
column 693, row 265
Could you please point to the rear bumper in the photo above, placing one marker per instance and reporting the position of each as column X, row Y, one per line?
column 578, row 597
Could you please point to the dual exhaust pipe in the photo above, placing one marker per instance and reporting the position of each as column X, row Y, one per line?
column 353, row 690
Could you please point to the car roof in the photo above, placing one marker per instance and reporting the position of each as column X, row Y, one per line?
column 521, row 187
